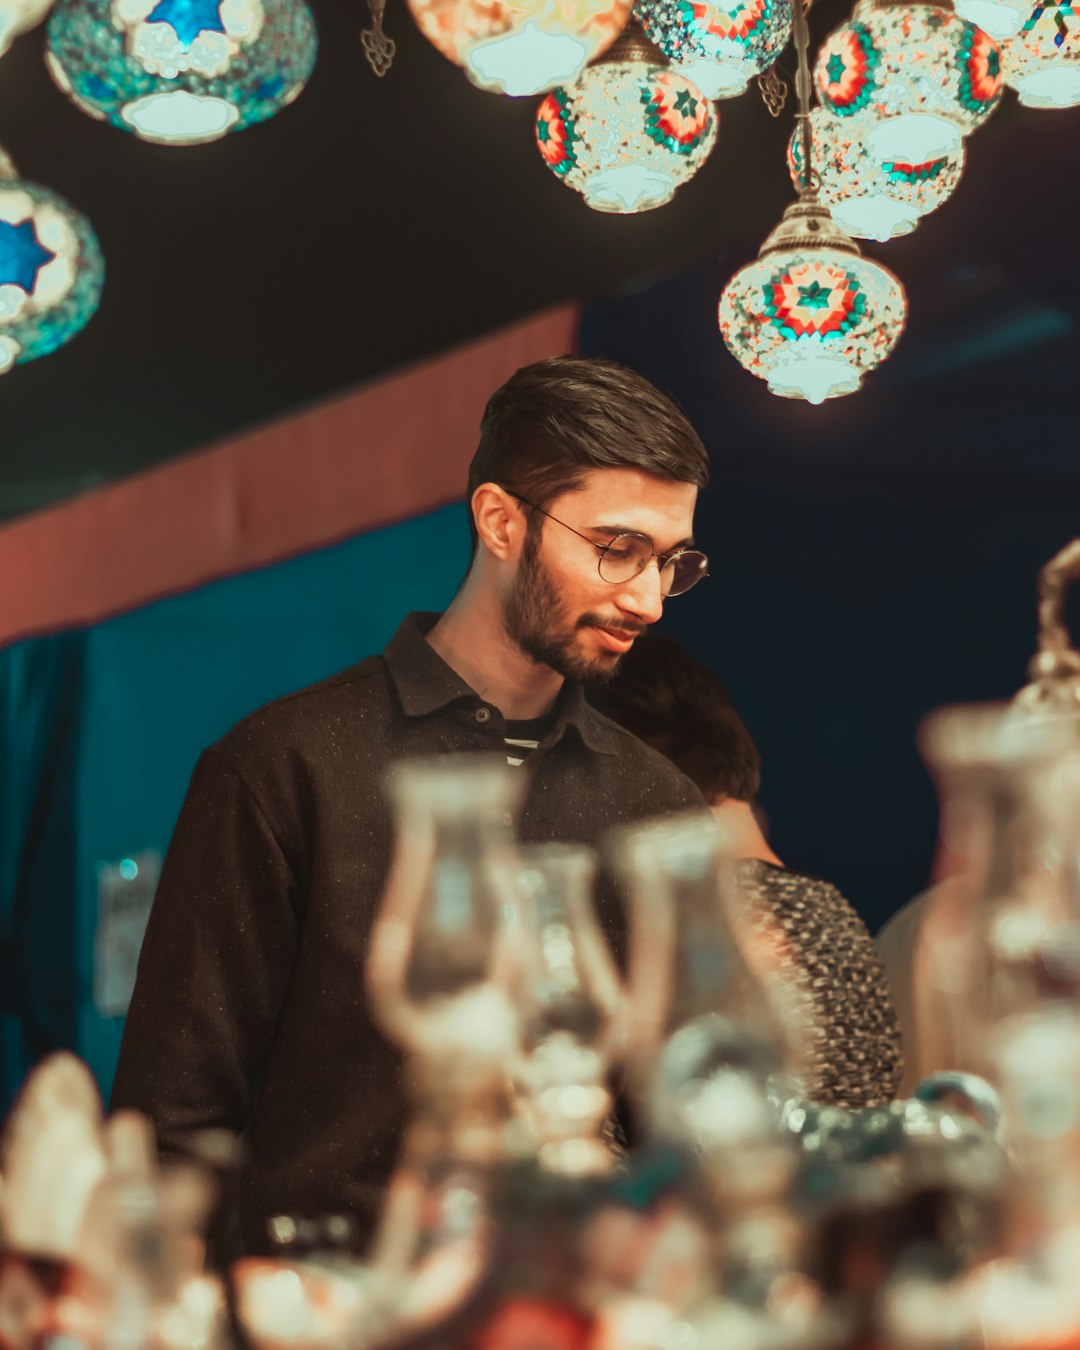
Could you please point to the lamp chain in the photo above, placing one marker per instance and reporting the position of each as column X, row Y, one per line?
column 801, row 34
column 378, row 48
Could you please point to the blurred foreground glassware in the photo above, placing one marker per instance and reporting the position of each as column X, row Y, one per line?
column 99, row 1246
column 440, row 975
column 488, row 966
column 697, row 1007
column 1006, row 945
column 567, row 994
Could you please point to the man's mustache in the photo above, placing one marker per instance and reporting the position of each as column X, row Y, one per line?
column 615, row 626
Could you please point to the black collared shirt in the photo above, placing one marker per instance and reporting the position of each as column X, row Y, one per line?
column 249, row 1009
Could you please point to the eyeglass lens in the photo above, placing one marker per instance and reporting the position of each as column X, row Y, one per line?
column 629, row 555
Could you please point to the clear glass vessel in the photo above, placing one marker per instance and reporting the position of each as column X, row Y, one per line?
column 567, row 996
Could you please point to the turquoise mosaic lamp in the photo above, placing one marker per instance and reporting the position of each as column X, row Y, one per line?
column 181, row 72
column 51, row 270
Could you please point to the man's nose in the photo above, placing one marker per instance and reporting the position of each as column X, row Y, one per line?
column 641, row 595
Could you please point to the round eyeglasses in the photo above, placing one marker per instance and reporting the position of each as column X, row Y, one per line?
column 627, row 556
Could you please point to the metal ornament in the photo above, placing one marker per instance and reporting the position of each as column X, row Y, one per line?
column 378, row 48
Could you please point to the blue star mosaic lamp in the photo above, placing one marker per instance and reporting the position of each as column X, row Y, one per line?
column 629, row 132
column 51, row 270
column 918, row 76
column 868, row 197
column 16, row 16
column 181, row 72
column 719, row 46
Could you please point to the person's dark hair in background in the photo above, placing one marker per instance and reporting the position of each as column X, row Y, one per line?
column 675, row 704
column 678, row 706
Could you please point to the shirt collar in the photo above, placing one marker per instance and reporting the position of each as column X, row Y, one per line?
column 425, row 684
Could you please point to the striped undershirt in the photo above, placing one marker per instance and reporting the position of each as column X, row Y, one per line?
column 522, row 738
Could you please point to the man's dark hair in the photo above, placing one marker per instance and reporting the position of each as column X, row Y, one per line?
column 553, row 421
column 672, row 702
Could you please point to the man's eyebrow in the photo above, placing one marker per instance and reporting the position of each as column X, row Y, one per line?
column 613, row 530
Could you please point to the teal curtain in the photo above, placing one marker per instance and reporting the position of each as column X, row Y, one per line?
column 102, row 727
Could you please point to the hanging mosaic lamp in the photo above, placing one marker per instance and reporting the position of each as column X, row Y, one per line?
column 51, row 270
column 917, row 75
column 1000, row 18
column 811, row 315
column 628, row 133
column 718, row 47
column 868, row 197
column 181, row 72
column 17, row 16
column 1042, row 61
column 525, row 48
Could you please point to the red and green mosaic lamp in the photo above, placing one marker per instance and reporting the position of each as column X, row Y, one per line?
column 629, row 132
column 718, row 44
column 868, row 197
column 811, row 315
column 918, row 77
column 1041, row 61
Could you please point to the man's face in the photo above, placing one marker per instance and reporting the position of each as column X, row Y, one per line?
column 559, row 610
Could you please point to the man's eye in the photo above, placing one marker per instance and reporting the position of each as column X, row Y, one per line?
column 617, row 553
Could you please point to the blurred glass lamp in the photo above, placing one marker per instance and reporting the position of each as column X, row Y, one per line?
column 51, row 270
column 868, row 197
column 917, row 75
column 719, row 47
column 16, row 16
column 181, row 72
column 628, row 133
column 525, row 48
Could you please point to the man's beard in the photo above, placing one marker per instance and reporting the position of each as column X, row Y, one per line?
column 537, row 621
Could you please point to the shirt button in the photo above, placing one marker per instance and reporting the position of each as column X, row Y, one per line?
column 482, row 715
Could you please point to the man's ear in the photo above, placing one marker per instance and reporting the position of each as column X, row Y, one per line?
column 500, row 520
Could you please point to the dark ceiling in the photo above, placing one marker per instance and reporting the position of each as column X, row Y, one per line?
column 379, row 221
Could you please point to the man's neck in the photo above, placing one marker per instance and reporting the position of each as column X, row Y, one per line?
column 472, row 639
column 748, row 841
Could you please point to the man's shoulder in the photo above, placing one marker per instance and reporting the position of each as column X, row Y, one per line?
column 306, row 715
column 668, row 786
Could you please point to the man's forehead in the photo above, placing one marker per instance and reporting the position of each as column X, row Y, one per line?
column 609, row 493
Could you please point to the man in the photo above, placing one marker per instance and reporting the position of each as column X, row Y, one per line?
column 679, row 707
column 249, row 1010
